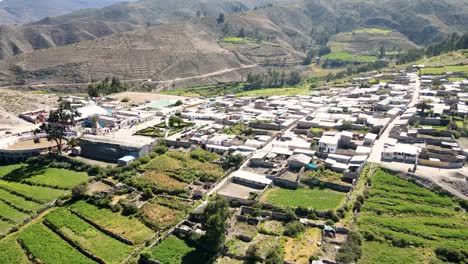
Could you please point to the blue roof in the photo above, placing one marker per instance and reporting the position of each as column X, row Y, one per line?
column 312, row 166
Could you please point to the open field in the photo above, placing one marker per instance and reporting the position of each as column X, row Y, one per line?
column 130, row 228
column 88, row 237
column 318, row 199
column 48, row 247
column 5, row 227
column 174, row 250
column 400, row 214
column 454, row 58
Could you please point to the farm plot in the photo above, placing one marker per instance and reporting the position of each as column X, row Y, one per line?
column 400, row 214
column 174, row 250
column 5, row 227
column 36, row 193
column 48, row 247
column 88, row 237
column 183, row 167
column 59, row 178
column 11, row 214
column 11, row 252
column 19, row 201
column 44, row 176
column 318, row 199
column 162, row 213
column 130, row 228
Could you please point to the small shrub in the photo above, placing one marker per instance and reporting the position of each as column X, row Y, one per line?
column 293, row 229
column 129, row 209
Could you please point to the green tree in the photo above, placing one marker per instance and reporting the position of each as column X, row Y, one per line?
column 59, row 121
column 215, row 223
column 275, row 256
column 423, row 106
column 173, row 120
column 241, row 33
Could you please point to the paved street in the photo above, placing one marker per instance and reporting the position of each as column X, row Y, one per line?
column 379, row 144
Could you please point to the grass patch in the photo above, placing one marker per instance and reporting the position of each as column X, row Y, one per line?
column 5, row 170
column 318, row 199
column 151, row 132
column 88, row 237
column 275, row 228
column 237, row 247
column 130, row 228
column 48, row 247
column 174, row 250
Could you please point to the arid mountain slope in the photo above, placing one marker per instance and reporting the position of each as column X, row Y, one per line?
column 197, row 46
column 25, row 11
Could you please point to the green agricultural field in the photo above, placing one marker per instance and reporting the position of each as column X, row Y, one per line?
column 89, row 237
column 5, row 227
column 187, row 167
column 376, row 252
column 208, row 91
column 48, row 247
column 442, row 70
column 4, row 170
column 174, row 250
column 318, row 199
column 11, row 213
column 275, row 92
column 11, row 252
column 59, row 178
column 400, row 214
column 39, row 193
column 344, row 56
column 130, row 228
column 19, row 201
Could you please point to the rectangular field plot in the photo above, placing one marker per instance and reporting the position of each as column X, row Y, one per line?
column 48, row 247
column 39, row 193
column 130, row 228
column 318, row 199
column 174, row 250
column 11, row 252
column 162, row 213
column 59, row 178
column 11, row 213
column 19, row 201
column 5, row 227
column 90, row 238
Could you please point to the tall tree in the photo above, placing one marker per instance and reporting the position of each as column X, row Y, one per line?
column 220, row 18
column 59, row 121
column 215, row 223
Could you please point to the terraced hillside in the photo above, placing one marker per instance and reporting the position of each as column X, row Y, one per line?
column 196, row 43
column 405, row 223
